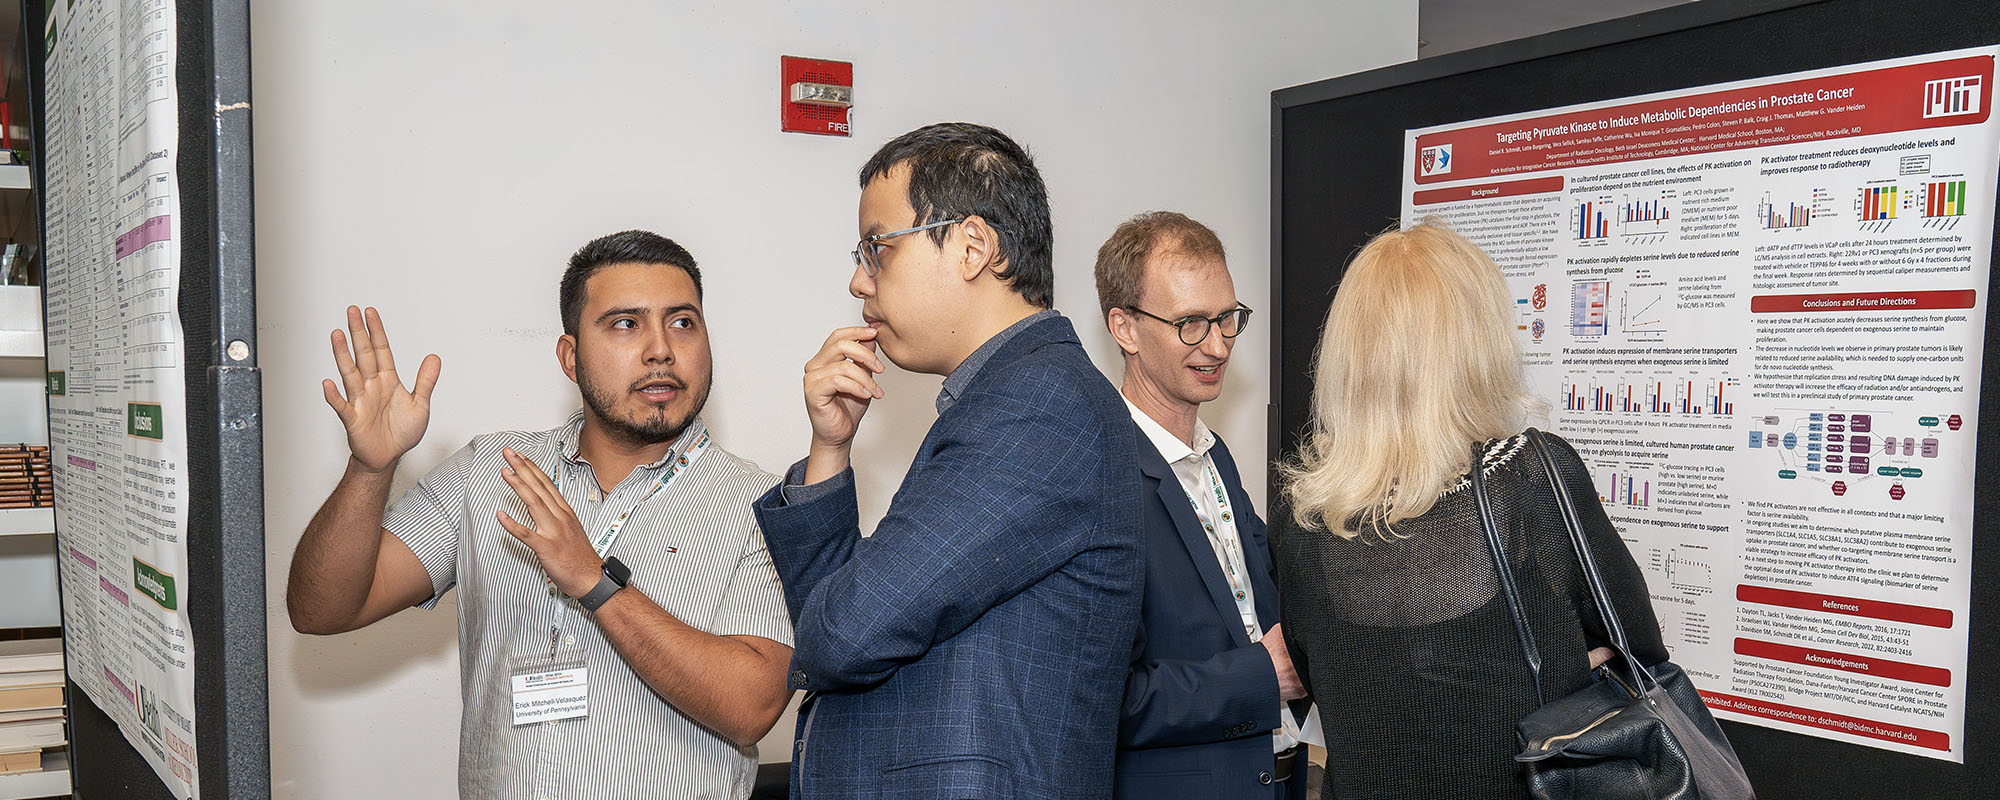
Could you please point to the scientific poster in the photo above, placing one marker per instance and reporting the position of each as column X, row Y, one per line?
column 1758, row 310
column 117, row 405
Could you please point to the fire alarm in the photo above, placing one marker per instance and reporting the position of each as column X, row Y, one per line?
column 815, row 95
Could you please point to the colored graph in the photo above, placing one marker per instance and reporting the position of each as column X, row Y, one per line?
column 1715, row 396
column 1653, row 211
column 1588, row 303
column 1622, row 487
column 1646, row 218
column 1775, row 217
column 1691, row 395
column 1944, row 204
column 1878, row 206
column 1597, row 395
column 1644, row 308
column 1688, row 574
column 1589, row 222
column 1944, row 199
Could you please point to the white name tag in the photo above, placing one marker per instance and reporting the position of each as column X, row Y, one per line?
column 551, row 695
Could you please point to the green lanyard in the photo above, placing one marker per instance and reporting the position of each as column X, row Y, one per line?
column 1232, row 556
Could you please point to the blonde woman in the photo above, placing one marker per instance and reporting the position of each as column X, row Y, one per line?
column 1390, row 595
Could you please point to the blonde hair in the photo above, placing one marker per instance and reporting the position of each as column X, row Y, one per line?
column 1418, row 360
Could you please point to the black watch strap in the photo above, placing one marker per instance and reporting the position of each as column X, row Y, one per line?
column 616, row 576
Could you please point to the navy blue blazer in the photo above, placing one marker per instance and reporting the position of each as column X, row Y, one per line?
column 1201, row 699
column 975, row 646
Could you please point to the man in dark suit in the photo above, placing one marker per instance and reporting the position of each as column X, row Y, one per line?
column 975, row 645
column 1206, row 711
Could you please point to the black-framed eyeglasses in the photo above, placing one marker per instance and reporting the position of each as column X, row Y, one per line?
column 1194, row 330
column 864, row 250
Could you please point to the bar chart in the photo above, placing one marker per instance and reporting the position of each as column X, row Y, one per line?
column 1589, row 222
column 1879, row 202
column 1773, row 217
column 1716, row 396
column 1653, row 211
column 1944, row 203
column 1944, row 199
column 1597, row 394
column 1645, row 219
column 1877, row 207
column 1622, row 486
column 1659, row 394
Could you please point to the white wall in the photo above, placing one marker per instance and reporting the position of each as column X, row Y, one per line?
column 442, row 160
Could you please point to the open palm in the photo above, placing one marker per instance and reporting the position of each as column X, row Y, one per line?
column 383, row 419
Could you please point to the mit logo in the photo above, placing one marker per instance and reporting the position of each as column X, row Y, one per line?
column 1951, row 97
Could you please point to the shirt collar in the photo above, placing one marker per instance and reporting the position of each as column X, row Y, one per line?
column 570, row 437
column 1170, row 446
column 955, row 383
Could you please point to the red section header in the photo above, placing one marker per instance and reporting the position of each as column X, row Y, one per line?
column 1936, row 94
column 1863, row 301
column 1485, row 190
column 1847, row 662
column 1933, row 740
column 1850, row 606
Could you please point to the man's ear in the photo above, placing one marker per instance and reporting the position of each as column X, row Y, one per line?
column 566, row 355
column 981, row 248
column 1123, row 329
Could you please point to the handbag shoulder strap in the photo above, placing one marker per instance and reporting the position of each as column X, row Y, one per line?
column 1505, row 572
column 1593, row 580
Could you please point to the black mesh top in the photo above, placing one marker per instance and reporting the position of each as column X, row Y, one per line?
column 1407, row 646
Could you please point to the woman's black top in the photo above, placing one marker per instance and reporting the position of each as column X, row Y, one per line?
column 1406, row 642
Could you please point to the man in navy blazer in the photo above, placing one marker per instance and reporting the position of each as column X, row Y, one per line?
column 975, row 645
column 1206, row 711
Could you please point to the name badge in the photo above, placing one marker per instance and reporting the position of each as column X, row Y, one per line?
column 551, row 694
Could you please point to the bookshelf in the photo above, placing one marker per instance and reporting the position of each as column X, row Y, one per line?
column 27, row 535
column 28, row 596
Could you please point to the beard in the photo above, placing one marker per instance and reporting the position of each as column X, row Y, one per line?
column 651, row 427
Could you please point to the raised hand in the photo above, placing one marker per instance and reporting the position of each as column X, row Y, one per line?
column 839, row 384
column 556, row 537
column 383, row 419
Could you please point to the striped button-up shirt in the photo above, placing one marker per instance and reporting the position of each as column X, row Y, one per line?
column 694, row 548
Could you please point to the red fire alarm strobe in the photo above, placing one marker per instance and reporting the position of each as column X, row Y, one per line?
column 815, row 95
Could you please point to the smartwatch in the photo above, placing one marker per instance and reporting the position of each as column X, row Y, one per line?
column 616, row 576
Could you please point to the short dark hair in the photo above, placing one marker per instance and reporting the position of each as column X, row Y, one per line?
column 1121, row 261
column 624, row 247
column 958, row 169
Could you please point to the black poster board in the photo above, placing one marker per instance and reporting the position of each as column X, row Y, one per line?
column 1337, row 161
column 224, row 431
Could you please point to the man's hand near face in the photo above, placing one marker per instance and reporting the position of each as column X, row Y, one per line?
column 839, row 384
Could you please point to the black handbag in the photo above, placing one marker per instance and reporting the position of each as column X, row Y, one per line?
column 1639, row 732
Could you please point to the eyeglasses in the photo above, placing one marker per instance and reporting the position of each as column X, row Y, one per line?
column 1194, row 330
column 864, row 250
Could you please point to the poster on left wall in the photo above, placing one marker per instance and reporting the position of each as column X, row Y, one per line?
column 118, row 396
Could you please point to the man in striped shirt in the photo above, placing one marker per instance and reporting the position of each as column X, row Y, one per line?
column 622, row 632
